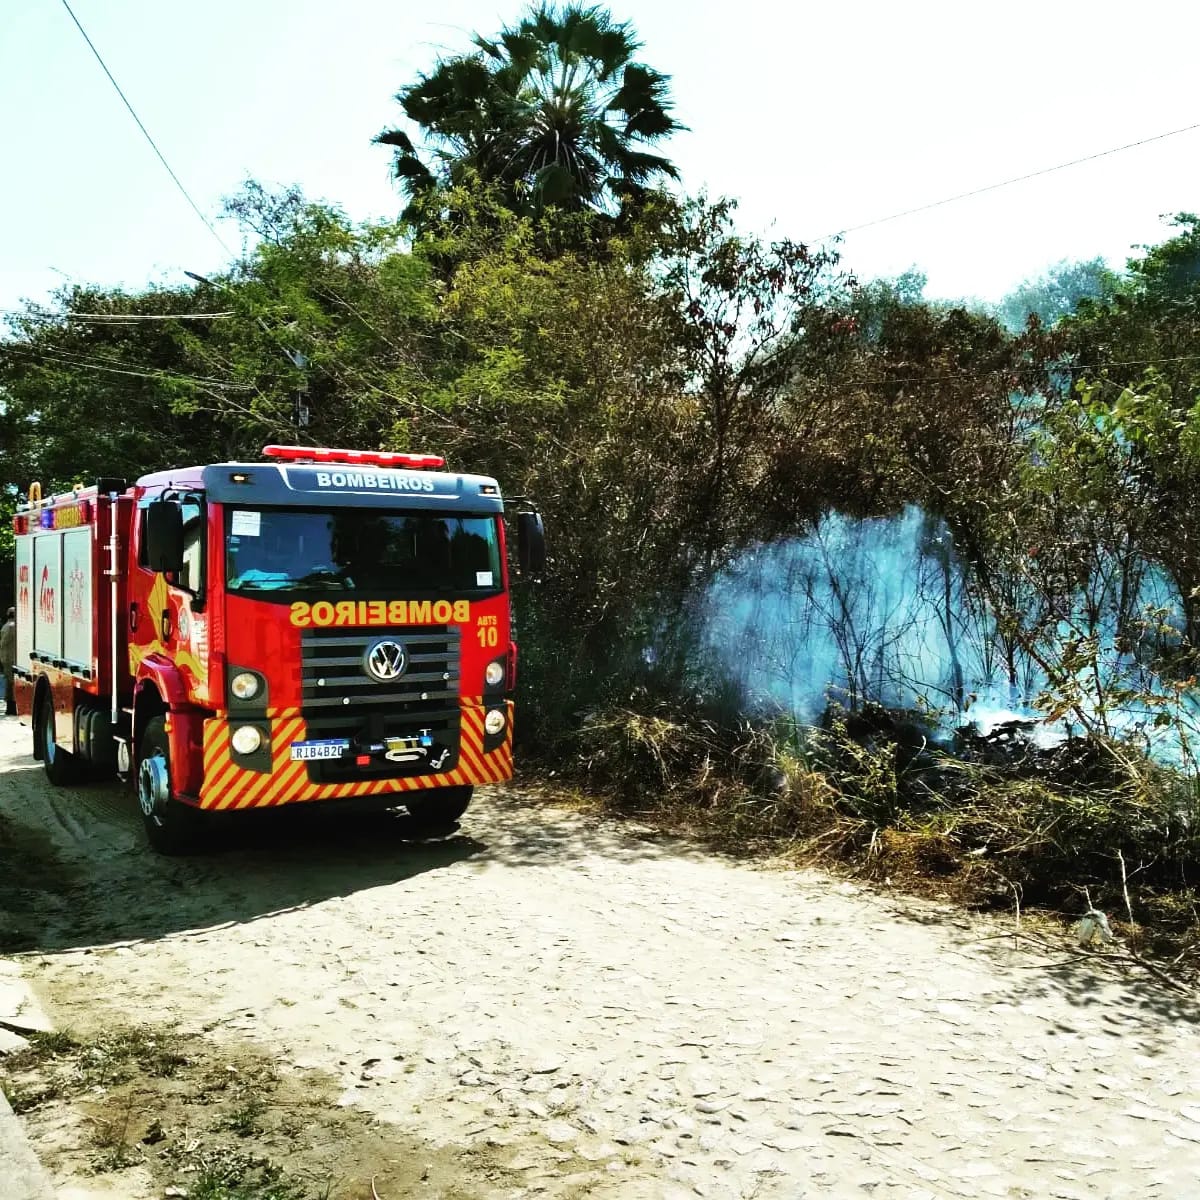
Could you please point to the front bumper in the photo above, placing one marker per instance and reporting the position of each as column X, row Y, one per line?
column 230, row 784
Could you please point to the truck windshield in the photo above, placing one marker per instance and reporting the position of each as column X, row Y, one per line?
column 360, row 550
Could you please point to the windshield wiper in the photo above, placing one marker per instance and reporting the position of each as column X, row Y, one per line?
column 329, row 578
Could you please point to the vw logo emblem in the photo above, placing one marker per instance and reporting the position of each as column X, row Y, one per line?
column 385, row 660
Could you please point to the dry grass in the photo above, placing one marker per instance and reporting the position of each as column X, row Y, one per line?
column 218, row 1120
column 140, row 1096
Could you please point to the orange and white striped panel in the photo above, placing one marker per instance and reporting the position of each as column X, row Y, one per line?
column 228, row 786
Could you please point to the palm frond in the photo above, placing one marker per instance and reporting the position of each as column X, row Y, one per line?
column 394, row 137
column 640, row 166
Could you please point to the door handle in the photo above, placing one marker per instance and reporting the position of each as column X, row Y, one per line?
column 166, row 625
column 133, row 616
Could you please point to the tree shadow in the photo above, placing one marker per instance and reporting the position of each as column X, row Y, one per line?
column 81, row 875
column 81, row 900
column 1112, row 993
column 1109, row 990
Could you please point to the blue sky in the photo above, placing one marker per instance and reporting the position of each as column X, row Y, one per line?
column 816, row 117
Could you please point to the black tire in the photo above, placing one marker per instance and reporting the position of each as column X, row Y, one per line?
column 436, row 812
column 171, row 826
column 62, row 767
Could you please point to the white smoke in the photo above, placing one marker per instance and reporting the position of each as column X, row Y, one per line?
column 879, row 610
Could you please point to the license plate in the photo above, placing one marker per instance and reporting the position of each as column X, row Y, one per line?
column 330, row 748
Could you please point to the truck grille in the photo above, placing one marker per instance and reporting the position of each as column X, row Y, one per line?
column 333, row 678
column 340, row 700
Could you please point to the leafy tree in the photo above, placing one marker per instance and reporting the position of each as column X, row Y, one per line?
column 332, row 317
column 925, row 393
column 100, row 385
column 555, row 111
column 104, row 382
column 745, row 313
column 1057, row 293
column 670, row 395
column 1133, row 354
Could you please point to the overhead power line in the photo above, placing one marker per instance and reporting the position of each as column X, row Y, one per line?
column 120, row 366
column 146, row 133
column 69, row 359
column 991, row 187
column 113, row 318
column 122, row 318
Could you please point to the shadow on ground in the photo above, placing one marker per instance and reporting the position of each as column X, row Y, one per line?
column 75, row 870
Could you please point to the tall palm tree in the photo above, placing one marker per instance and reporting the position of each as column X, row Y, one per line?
column 554, row 111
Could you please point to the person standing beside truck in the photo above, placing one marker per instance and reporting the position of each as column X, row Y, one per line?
column 8, row 656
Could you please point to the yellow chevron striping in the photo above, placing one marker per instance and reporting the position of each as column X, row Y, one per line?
column 228, row 786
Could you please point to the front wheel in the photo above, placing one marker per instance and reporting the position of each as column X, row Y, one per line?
column 171, row 827
column 436, row 812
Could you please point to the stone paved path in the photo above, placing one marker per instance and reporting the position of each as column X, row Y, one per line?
column 627, row 1017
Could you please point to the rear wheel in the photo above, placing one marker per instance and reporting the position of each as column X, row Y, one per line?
column 61, row 766
column 171, row 827
column 437, row 811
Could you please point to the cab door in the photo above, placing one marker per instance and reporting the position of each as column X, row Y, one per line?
column 167, row 611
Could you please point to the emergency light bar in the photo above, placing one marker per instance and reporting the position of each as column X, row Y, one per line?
column 374, row 458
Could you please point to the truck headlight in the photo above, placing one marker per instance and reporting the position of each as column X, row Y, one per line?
column 493, row 676
column 246, row 739
column 493, row 723
column 244, row 685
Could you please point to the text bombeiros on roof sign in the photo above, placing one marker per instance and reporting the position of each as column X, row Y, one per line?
column 388, row 481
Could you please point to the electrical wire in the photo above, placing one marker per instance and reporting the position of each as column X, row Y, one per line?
column 146, row 133
column 114, row 318
column 1008, row 370
column 121, row 367
column 991, row 187
column 151, row 373
column 67, row 358
column 84, row 357
column 132, row 318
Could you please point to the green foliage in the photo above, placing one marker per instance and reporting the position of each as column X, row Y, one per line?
column 611, row 384
column 225, row 1174
column 554, row 112
column 1102, row 496
column 1058, row 293
column 64, row 373
column 1143, row 402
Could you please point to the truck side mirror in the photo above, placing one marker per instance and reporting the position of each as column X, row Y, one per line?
column 164, row 536
column 531, row 543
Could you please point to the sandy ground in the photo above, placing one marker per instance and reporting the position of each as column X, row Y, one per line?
column 547, row 1004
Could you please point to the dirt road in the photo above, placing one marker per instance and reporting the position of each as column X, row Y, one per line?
column 549, row 1005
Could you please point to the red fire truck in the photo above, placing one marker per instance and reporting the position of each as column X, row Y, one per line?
column 324, row 625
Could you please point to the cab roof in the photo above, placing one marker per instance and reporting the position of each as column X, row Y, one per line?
column 333, row 485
